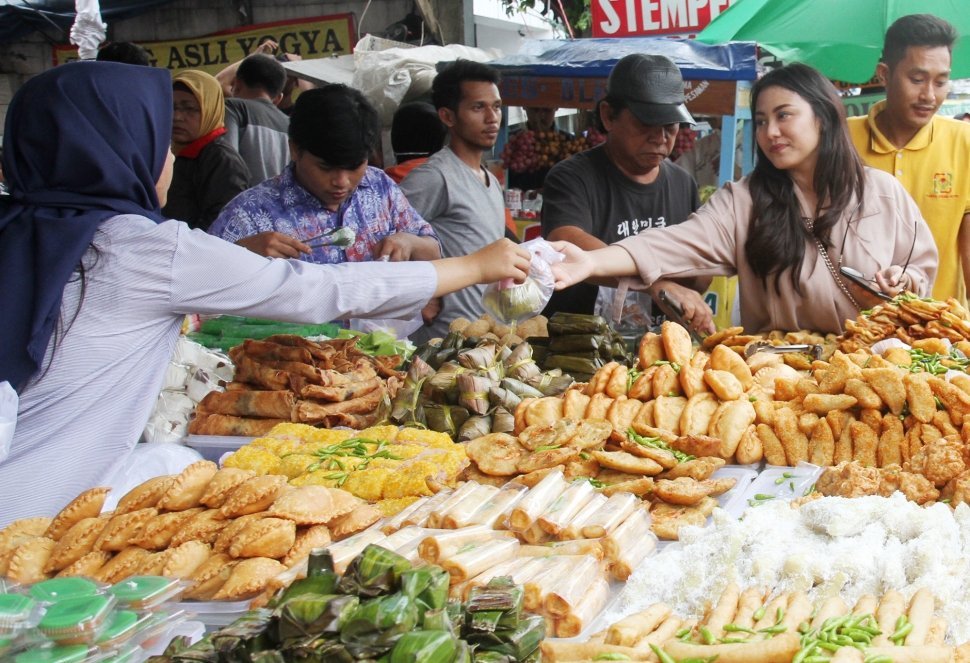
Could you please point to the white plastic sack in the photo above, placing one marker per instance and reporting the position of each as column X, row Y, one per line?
column 9, row 401
column 88, row 30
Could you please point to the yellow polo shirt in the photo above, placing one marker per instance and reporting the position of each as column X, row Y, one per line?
column 934, row 167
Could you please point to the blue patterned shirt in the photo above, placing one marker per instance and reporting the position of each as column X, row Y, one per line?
column 376, row 210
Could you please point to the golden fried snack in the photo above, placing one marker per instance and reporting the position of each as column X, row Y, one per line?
column 616, row 383
column 544, row 411
column 688, row 492
column 360, row 518
column 676, row 341
column 597, row 384
column 626, row 462
column 942, row 421
column 730, row 421
column 668, row 518
column 21, row 530
column 253, row 495
column 209, row 577
column 695, row 418
column 539, row 460
column 307, row 539
column 144, row 495
column 644, row 418
column 574, row 404
column 724, row 359
column 774, row 450
column 919, row 396
column 532, row 478
column 651, row 350
column 891, row 441
column 888, row 383
column 188, row 487
column 639, row 487
column 580, row 467
column 821, row 444
column 724, row 610
column 599, row 405
column 222, row 483
column 822, row 404
column 248, row 578
column 940, row 461
column 590, row 433
column 496, row 454
column 698, row 469
column 750, row 450
column 724, row 385
column 806, row 422
column 204, row 526
column 28, row 560
column 666, row 459
column 642, row 387
column 182, row 562
column 264, row 537
column 122, row 528
column 534, row 437
column 153, row 563
column 235, row 526
column 764, row 408
column 864, row 443
column 666, row 382
column 667, row 411
column 863, row 393
column 760, row 360
column 692, row 374
column 519, row 414
column 629, row 630
column 719, row 337
column 86, row 566
column 955, row 400
column 312, row 505
column 158, row 532
column 86, row 505
column 793, row 440
column 75, row 544
column 695, row 445
column 837, row 421
column 122, row 565
column 621, row 415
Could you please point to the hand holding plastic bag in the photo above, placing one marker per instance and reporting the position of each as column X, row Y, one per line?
column 509, row 302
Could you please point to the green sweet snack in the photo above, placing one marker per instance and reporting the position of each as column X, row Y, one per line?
column 425, row 647
column 244, row 637
column 17, row 613
column 518, row 643
column 58, row 589
column 145, row 592
column 373, row 572
column 311, row 615
column 377, row 624
column 122, row 625
column 77, row 620
column 427, row 585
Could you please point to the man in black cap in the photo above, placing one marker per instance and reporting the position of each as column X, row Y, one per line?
column 627, row 185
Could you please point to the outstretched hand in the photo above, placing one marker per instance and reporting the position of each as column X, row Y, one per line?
column 576, row 268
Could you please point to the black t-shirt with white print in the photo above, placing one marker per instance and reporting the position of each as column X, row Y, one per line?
column 588, row 191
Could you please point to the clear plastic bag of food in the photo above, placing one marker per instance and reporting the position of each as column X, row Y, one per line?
column 510, row 302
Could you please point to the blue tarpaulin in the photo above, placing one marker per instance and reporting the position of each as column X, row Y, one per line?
column 736, row 61
column 21, row 17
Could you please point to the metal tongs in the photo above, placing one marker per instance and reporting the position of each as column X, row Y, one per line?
column 672, row 308
column 765, row 346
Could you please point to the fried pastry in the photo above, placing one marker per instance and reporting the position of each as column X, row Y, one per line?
column 122, row 565
column 546, row 458
column 144, row 495
column 182, row 562
column 5, row 556
column 360, row 518
column 496, row 454
column 87, row 565
column 122, row 528
column 188, row 486
column 668, row 519
column 20, row 531
column 75, row 544
column 266, row 537
column 158, row 532
column 204, row 526
column 313, row 505
column 86, row 505
column 248, row 578
column 307, row 538
column 235, row 526
column 222, row 483
column 676, row 342
column 210, row 577
column 28, row 560
column 253, row 495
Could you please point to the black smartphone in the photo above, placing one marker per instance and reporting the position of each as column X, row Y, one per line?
column 860, row 280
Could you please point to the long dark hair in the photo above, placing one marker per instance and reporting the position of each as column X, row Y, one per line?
column 776, row 240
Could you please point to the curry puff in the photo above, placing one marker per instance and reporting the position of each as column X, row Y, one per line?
column 158, row 532
column 249, row 578
column 308, row 538
column 360, row 518
column 210, row 577
column 264, row 537
column 28, row 560
column 122, row 565
column 222, row 483
column 145, row 494
column 253, row 495
column 188, row 487
column 21, row 530
column 204, row 526
column 75, row 544
column 86, row 566
column 313, row 505
column 86, row 505
column 122, row 528
column 182, row 562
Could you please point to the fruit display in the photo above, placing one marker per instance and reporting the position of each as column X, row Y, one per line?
column 385, row 465
column 529, row 151
column 226, row 532
column 287, row 378
column 908, row 318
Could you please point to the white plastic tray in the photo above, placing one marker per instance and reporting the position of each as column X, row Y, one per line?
column 781, row 483
column 213, row 447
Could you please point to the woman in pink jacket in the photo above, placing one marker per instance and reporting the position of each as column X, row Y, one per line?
column 807, row 210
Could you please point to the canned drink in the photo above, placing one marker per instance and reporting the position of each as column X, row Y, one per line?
column 513, row 199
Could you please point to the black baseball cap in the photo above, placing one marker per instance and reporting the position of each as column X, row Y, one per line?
column 652, row 87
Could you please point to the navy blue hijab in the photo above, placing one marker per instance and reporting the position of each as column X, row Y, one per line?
column 83, row 142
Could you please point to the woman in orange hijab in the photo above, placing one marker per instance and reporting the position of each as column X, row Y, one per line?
column 208, row 171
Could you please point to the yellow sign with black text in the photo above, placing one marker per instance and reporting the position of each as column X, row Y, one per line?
column 321, row 36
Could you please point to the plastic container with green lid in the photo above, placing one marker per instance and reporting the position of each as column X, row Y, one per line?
column 79, row 620
column 18, row 613
column 122, row 626
column 146, row 592
column 58, row 589
column 159, row 626
column 65, row 654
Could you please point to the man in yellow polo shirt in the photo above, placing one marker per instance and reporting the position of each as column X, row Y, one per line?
column 928, row 154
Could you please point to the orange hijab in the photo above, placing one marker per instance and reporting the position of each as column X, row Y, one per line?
column 208, row 92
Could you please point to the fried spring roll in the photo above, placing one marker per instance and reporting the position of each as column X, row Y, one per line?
column 592, row 604
column 920, row 613
column 443, row 543
column 637, row 626
column 553, row 570
column 477, row 557
column 890, row 608
column 574, row 529
column 629, row 535
column 779, row 649
column 345, row 551
column 832, row 607
column 662, row 634
column 592, row 547
column 566, row 506
column 395, row 522
column 495, row 509
column 419, row 516
column 749, row 601
column 565, row 598
column 610, row 515
column 535, row 535
column 270, row 404
column 530, row 507
column 460, row 493
column 460, row 514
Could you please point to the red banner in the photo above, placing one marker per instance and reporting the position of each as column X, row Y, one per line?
column 651, row 18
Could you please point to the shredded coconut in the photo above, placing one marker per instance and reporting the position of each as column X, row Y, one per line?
column 830, row 546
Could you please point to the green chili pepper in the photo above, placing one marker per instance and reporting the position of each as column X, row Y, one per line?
column 661, row 654
column 707, row 636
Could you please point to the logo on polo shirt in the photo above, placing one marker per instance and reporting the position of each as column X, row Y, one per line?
column 942, row 185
